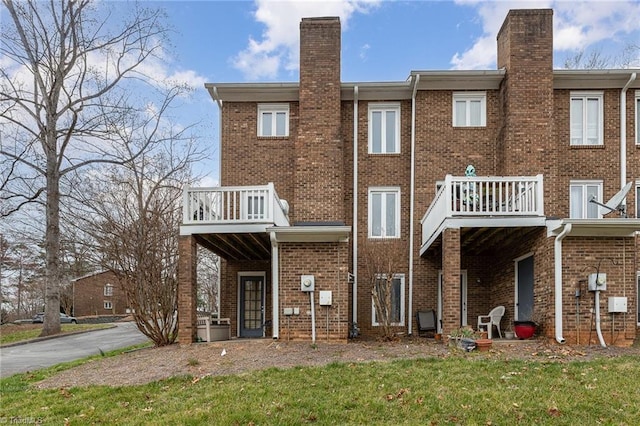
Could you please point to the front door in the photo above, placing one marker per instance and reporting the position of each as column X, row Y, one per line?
column 524, row 288
column 251, row 301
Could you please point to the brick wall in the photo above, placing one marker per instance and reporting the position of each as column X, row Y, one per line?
column 187, row 289
column 525, row 50
column 582, row 256
column 251, row 160
column 328, row 263
column 89, row 297
column 319, row 175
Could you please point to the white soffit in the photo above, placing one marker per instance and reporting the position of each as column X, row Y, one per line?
column 311, row 234
column 593, row 79
column 619, row 227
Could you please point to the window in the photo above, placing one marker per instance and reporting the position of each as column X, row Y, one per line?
column 273, row 120
column 637, row 118
column 579, row 205
column 108, row 305
column 586, row 118
column 108, row 290
column 384, row 212
column 384, row 128
column 397, row 300
column 470, row 109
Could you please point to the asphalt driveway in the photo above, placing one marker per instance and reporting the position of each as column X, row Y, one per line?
column 45, row 353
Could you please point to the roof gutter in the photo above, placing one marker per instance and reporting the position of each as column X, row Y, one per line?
column 623, row 132
column 558, row 281
column 412, row 198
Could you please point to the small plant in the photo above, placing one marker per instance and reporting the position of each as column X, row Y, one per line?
column 192, row 362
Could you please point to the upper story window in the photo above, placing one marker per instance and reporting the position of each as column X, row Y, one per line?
column 469, row 109
column 637, row 117
column 273, row 120
column 384, row 212
column 396, row 291
column 384, row 128
column 580, row 194
column 587, row 118
column 108, row 290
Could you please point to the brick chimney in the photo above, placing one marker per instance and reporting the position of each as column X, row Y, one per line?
column 319, row 184
column 525, row 50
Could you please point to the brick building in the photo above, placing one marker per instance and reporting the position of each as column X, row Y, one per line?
column 98, row 294
column 360, row 164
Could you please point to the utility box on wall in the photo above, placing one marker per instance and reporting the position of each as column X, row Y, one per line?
column 617, row 304
column 598, row 282
column 307, row 282
column 325, row 298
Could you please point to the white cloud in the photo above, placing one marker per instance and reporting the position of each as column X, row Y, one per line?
column 577, row 25
column 278, row 47
column 363, row 51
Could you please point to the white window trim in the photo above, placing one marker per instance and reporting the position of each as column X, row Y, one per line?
column 470, row 96
column 383, row 189
column 638, row 199
column 584, row 95
column 108, row 305
column 637, row 117
column 381, row 107
column 108, row 293
column 402, row 307
column 637, row 297
column 585, row 201
column 273, row 108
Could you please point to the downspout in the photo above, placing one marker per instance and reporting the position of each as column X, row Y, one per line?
column 219, row 102
column 354, row 268
column 623, row 132
column 558, row 281
column 412, row 198
column 275, row 284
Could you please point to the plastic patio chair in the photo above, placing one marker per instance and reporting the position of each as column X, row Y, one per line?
column 493, row 318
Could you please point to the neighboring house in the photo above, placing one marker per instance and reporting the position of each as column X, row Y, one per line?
column 359, row 163
column 98, row 294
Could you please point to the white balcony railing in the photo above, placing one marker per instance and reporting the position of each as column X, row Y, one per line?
column 484, row 196
column 234, row 205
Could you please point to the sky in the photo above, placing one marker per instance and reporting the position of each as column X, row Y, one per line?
column 257, row 41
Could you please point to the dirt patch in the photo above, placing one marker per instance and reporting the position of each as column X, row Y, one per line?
column 240, row 356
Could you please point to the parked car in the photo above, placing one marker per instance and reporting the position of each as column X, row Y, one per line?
column 64, row 318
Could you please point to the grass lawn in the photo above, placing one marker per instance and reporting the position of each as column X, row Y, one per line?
column 11, row 333
column 457, row 390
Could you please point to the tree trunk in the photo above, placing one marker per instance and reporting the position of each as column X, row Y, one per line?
column 52, row 243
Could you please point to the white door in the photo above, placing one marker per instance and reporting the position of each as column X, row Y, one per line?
column 463, row 300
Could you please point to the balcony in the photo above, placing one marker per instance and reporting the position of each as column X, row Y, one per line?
column 232, row 221
column 484, row 201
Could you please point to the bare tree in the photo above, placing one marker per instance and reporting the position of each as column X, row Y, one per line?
column 207, row 280
column 68, row 81
column 383, row 259
column 133, row 213
column 594, row 59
